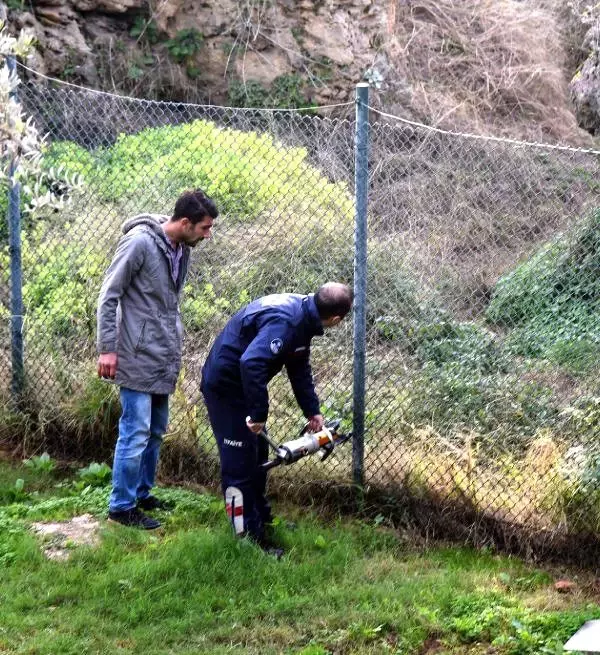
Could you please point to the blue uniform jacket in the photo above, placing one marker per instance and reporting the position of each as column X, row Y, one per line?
column 257, row 342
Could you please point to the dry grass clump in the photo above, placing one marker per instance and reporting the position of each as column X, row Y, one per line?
column 462, row 211
column 525, row 492
column 488, row 65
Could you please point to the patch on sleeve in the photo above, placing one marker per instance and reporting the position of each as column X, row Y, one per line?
column 276, row 345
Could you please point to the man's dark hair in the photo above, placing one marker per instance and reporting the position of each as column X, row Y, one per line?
column 194, row 205
column 334, row 299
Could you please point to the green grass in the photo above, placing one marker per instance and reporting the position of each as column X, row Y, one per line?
column 343, row 587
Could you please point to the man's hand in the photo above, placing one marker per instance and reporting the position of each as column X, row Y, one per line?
column 316, row 422
column 254, row 427
column 107, row 365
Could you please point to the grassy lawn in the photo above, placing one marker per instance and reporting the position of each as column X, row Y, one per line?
column 343, row 587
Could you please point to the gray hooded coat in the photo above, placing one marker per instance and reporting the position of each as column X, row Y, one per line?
column 138, row 308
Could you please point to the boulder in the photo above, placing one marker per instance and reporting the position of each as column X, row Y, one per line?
column 585, row 86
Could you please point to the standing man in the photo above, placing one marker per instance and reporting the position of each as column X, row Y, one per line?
column 140, row 342
column 270, row 333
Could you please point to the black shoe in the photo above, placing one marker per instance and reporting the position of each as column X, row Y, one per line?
column 134, row 518
column 268, row 547
column 274, row 551
column 152, row 502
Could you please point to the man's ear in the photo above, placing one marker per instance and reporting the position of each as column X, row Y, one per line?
column 335, row 320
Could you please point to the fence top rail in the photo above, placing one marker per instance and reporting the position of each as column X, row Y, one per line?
column 178, row 103
column 482, row 137
column 378, row 112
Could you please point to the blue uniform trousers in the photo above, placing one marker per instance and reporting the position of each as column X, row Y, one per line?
column 243, row 481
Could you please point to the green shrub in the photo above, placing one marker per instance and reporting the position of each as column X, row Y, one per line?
column 203, row 309
column 569, row 337
column 452, row 397
column 146, row 29
column 93, row 407
column 396, row 309
column 466, row 345
column 517, row 630
column 563, row 272
column 60, row 290
column 528, row 290
column 185, row 44
column 582, row 418
column 246, row 173
column 247, row 94
column 13, row 494
column 95, row 474
column 286, row 91
column 40, row 463
column 553, row 299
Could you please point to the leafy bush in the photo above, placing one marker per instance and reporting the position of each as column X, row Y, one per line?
column 528, row 290
column 453, row 397
column 553, row 299
column 186, row 43
column 146, row 29
column 569, row 337
column 397, row 309
column 13, row 494
column 507, row 624
column 40, row 463
column 61, row 294
column 286, row 91
column 95, row 475
column 203, row 309
column 62, row 282
column 246, row 173
column 582, row 418
column 466, row 345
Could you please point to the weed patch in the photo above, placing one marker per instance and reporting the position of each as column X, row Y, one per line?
column 343, row 586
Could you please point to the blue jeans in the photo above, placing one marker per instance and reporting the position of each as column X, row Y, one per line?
column 142, row 425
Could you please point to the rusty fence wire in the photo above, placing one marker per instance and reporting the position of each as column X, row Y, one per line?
column 483, row 286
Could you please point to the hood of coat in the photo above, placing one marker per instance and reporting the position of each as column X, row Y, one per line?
column 152, row 224
column 152, row 221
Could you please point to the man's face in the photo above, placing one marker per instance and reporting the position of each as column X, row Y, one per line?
column 193, row 233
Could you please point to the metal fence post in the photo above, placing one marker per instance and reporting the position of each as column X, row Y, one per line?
column 16, row 276
column 361, row 181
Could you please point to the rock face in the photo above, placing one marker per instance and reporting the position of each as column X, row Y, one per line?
column 322, row 46
column 290, row 53
column 585, row 86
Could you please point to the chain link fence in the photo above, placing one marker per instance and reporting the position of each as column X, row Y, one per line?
column 483, row 286
column 484, row 332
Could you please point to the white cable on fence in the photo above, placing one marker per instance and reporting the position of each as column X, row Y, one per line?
column 482, row 137
column 179, row 104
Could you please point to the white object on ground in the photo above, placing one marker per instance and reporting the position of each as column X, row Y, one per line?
column 586, row 639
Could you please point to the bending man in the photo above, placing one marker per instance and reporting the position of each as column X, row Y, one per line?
column 270, row 333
